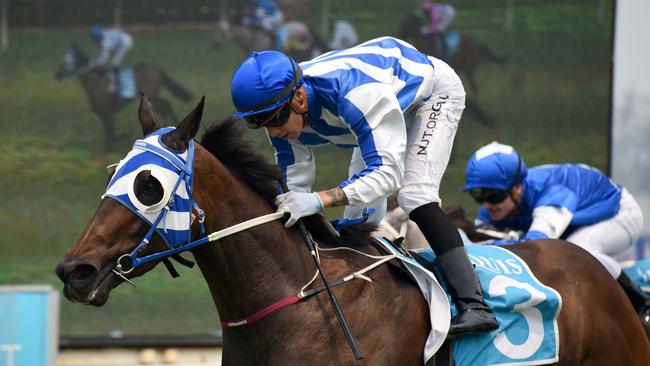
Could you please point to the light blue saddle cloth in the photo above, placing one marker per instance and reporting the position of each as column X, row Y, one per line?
column 127, row 87
column 526, row 310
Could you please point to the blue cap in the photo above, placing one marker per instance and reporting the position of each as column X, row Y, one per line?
column 495, row 166
column 96, row 32
column 264, row 82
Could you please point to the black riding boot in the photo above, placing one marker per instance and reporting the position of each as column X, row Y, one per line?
column 640, row 300
column 474, row 315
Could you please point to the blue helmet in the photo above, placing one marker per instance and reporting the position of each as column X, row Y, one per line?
column 495, row 166
column 96, row 32
column 264, row 82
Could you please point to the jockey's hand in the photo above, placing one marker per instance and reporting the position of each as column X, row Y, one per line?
column 298, row 204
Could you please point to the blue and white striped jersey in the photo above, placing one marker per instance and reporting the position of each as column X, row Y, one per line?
column 357, row 98
column 113, row 39
column 581, row 190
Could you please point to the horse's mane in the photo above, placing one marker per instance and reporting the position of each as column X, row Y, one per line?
column 225, row 140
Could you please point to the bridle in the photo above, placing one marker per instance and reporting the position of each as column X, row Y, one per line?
column 126, row 263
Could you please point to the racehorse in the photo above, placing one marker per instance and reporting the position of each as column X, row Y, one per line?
column 396, row 224
column 465, row 60
column 257, row 267
column 149, row 80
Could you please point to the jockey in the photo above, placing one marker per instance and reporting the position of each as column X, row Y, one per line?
column 114, row 42
column 441, row 16
column 267, row 15
column 399, row 110
column 570, row 201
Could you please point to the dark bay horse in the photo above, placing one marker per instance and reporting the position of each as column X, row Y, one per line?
column 148, row 80
column 259, row 266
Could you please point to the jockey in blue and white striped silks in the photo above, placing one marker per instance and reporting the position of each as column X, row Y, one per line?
column 372, row 98
column 174, row 227
column 399, row 110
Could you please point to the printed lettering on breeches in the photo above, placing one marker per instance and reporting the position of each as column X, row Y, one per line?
column 432, row 123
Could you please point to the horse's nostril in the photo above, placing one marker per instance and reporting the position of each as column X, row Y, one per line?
column 82, row 272
column 74, row 272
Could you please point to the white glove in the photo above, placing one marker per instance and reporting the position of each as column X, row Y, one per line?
column 298, row 204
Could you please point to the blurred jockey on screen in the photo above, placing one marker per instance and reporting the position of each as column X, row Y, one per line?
column 114, row 42
column 399, row 110
column 570, row 201
column 267, row 15
column 441, row 15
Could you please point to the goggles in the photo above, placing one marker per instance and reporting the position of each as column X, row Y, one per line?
column 273, row 118
column 491, row 196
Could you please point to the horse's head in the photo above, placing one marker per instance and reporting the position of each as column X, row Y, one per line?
column 146, row 208
column 73, row 60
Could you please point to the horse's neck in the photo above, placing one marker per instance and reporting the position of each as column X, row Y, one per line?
column 101, row 100
column 251, row 269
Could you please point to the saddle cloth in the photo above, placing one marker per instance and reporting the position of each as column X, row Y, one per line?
column 526, row 310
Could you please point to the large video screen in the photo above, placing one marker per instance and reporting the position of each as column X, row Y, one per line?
column 537, row 75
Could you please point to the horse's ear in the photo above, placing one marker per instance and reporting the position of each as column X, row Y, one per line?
column 148, row 119
column 186, row 130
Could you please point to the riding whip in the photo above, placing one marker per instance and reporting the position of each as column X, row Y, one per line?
column 335, row 303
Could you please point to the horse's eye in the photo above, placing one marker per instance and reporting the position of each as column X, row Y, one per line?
column 152, row 185
column 148, row 190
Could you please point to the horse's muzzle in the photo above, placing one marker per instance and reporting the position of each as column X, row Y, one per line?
column 78, row 279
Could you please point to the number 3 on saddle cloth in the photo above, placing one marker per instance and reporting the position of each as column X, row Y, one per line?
column 526, row 310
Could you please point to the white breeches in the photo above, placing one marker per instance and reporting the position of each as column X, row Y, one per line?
column 612, row 236
column 121, row 51
column 430, row 128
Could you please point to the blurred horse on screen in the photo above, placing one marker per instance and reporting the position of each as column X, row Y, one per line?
column 105, row 104
column 262, row 265
column 465, row 60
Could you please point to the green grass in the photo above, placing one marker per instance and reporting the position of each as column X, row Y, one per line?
column 551, row 100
